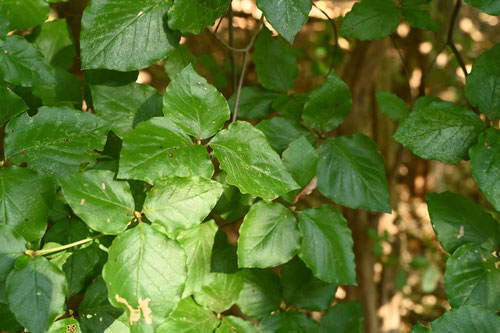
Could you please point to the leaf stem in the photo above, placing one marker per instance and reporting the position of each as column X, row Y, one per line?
column 62, row 247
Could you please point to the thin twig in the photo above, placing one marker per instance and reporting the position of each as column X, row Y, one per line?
column 218, row 24
column 449, row 42
column 335, row 32
column 223, row 43
column 231, row 55
column 405, row 68
column 244, row 67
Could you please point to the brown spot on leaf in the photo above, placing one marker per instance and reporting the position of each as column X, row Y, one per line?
column 170, row 155
column 146, row 311
column 135, row 314
column 82, row 202
column 103, row 186
column 461, row 232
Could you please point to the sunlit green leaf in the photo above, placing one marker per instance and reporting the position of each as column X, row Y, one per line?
column 250, row 163
column 179, row 203
column 268, row 236
column 145, row 275
column 105, row 204
column 36, row 291
column 125, row 35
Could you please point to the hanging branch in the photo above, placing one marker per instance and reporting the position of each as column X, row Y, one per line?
column 335, row 32
column 405, row 67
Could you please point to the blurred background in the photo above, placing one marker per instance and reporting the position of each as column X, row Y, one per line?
column 400, row 263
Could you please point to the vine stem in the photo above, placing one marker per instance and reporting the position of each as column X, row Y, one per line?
column 33, row 253
column 405, row 67
column 335, row 32
column 244, row 67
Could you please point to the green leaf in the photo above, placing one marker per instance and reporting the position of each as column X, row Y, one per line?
column 12, row 245
column 275, row 65
column 491, row 7
column 181, row 203
column 107, row 77
column 301, row 160
column 392, row 105
column 157, row 148
column 268, row 236
column 9, row 322
column 328, row 105
column 290, row 106
column 281, row 131
column 221, row 292
column 106, row 205
column 251, row 164
column 261, row 294
column 36, row 292
column 232, row 205
column 56, row 43
column 126, row 106
column 457, row 221
column 419, row 328
column 224, row 258
column 287, row 17
column 23, row 64
column 145, row 275
column 195, row 105
column 65, row 325
column 26, row 13
column 371, row 19
column 351, row 173
column 345, row 317
column 26, row 198
column 467, row 319
column 232, row 324
column 255, row 102
column 419, row 18
column 198, row 243
column 485, row 165
column 471, row 277
column 440, row 131
column 125, row 35
column 189, row 317
column 192, row 16
column 301, row 290
column 57, row 140
column 424, row 101
column 65, row 90
column 288, row 322
column 327, row 245
column 177, row 60
column 12, row 104
column 96, row 314
column 483, row 83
